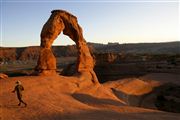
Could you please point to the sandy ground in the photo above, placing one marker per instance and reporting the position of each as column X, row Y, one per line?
column 67, row 98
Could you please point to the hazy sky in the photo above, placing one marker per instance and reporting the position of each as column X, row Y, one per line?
column 102, row 21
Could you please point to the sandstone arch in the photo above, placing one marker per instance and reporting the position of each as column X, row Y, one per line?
column 59, row 21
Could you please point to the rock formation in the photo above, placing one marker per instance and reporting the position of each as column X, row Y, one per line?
column 3, row 76
column 61, row 20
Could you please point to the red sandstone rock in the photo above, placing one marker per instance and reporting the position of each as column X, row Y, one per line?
column 3, row 76
column 47, row 62
column 63, row 21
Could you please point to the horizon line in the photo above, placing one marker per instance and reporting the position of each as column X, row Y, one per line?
column 94, row 43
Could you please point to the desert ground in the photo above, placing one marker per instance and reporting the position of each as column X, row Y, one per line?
column 70, row 98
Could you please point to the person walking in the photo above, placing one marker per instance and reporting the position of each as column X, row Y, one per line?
column 18, row 89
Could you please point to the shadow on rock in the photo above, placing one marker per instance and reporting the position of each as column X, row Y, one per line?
column 131, row 100
column 106, row 115
column 165, row 98
column 90, row 100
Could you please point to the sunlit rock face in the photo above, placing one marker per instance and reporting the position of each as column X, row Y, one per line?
column 3, row 76
column 59, row 21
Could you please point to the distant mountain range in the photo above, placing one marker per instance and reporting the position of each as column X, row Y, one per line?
column 32, row 53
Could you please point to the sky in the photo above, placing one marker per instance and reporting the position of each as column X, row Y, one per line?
column 102, row 21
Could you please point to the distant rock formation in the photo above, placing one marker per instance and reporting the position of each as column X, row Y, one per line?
column 9, row 54
column 102, row 58
column 61, row 20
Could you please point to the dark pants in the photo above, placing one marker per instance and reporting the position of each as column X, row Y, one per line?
column 20, row 99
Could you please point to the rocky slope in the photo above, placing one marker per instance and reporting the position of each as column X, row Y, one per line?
column 69, row 98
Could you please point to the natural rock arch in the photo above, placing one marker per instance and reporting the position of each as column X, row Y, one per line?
column 59, row 21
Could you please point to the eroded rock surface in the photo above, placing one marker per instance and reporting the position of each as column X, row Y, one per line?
column 59, row 21
column 3, row 76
